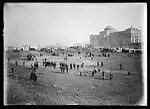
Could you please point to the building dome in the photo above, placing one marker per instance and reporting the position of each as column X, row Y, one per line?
column 109, row 28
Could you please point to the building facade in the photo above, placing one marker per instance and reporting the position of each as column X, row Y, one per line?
column 110, row 38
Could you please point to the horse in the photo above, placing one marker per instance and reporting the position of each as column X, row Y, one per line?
column 49, row 64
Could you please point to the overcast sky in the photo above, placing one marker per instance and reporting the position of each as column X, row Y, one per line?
column 66, row 23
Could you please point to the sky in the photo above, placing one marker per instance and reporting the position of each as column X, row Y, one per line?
column 66, row 23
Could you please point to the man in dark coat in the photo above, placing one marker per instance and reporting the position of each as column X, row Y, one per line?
column 60, row 67
column 70, row 66
column 77, row 67
column 67, row 68
column 37, row 64
column 111, row 76
column 103, row 74
column 63, row 67
column 8, row 59
column 97, row 63
column 101, row 63
column 16, row 63
column 120, row 66
column 33, row 76
column 74, row 65
column 12, row 70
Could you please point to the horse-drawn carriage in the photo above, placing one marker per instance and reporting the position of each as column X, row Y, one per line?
column 49, row 64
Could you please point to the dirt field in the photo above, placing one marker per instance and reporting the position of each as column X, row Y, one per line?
column 56, row 88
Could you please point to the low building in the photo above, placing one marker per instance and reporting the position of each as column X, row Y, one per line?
column 25, row 47
column 34, row 47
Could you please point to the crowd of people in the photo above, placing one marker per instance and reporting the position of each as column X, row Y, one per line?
column 67, row 67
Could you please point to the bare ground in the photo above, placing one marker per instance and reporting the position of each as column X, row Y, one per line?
column 55, row 88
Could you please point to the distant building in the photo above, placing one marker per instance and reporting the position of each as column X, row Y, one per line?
column 25, row 47
column 10, row 48
column 34, row 47
column 110, row 38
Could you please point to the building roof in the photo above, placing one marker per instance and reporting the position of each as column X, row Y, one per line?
column 131, row 28
column 109, row 28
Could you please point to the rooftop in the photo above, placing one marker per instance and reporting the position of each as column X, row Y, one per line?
column 109, row 28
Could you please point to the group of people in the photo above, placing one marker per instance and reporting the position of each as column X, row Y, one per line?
column 76, row 66
column 31, row 57
column 64, row 67
column 97, row 70
column 99, row 63
column 65, row 58
column 35, row 65
column 46, row 63
column 103, row 74
column 105, row 54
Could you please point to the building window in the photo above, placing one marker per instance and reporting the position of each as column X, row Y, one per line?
column 136, row 39
column 132, row 39
column 139, row 40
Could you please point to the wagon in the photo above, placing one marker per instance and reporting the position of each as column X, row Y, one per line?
column 50, row 64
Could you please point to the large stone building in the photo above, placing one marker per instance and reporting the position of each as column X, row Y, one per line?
column 110, row 38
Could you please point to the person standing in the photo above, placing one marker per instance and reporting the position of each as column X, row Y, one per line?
column 120, row 66
column 63, row 68
column 74, row 65
column 37, row 65
column 80, row 73
column 82, row 64
column 12, row 70
column 103, row 74
column 77, row 67
column 70, row 66
column 31, row 75
column 101, row 63
column 67, row 68
column 8, row 59
column 32, row 65
column 111, row 76
column 46, row 64
column 16, row 63
column 23, row 63
column 97, row 63
column 95, row 70
column 129, row 73
column 92, row 73
column 99, row 70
